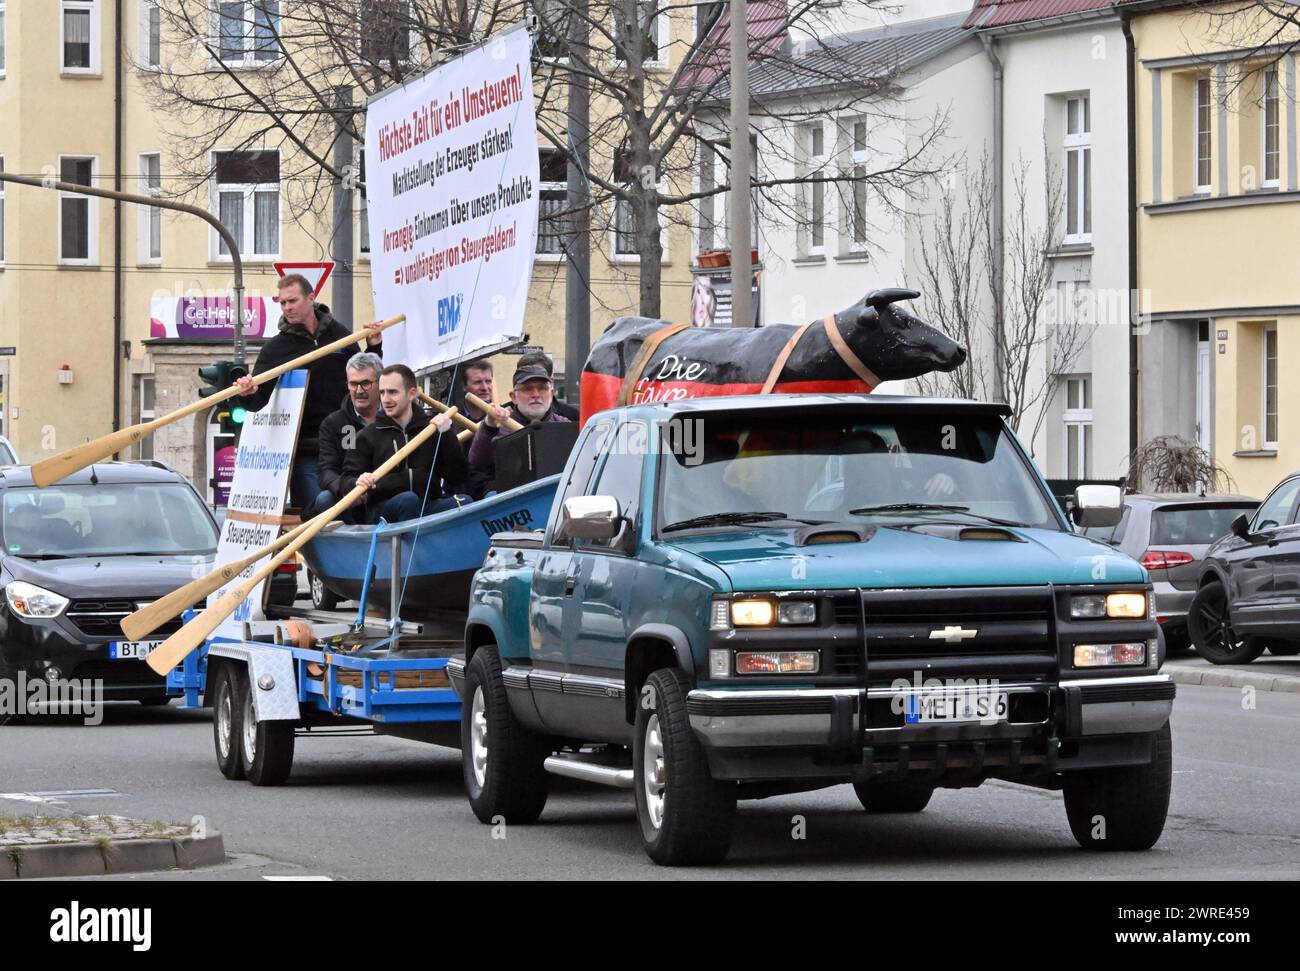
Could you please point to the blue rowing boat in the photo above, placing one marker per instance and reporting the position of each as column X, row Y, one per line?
column 439, row 553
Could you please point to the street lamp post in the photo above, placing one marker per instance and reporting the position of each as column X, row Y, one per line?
column 741, row 268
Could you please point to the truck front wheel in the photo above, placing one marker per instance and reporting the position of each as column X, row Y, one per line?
column 685, row 815
column 1122, row 809
column 502, row 760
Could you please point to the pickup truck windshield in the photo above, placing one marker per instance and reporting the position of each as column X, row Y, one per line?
column 823, row 466
column 110, row 519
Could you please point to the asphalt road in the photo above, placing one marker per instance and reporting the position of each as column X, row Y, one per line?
column 380, row 808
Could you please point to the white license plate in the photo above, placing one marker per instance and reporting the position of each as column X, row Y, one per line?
column 985, row 707
column 131, row 650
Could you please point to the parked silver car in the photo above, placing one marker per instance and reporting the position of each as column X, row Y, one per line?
column 1169, row 535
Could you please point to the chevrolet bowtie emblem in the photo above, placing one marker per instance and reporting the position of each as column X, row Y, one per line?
column 953, row 635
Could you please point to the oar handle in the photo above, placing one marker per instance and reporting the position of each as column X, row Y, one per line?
column 487, row 409
column 457, row 417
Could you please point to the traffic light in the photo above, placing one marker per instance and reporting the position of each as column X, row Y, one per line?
column 219, row 376
column 231, row 419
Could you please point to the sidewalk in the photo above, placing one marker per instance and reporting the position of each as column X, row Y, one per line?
column 74, row 845
column 1267, row 673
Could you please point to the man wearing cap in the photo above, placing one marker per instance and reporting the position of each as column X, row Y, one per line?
column 531, row 400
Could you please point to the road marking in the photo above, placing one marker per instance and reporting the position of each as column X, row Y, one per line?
column 55, row 796
column 288, row 879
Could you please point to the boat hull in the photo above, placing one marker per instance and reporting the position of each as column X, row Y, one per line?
column 439, row 554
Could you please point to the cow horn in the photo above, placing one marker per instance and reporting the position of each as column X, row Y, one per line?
column 883, row 298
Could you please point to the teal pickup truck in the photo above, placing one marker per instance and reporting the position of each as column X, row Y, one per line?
column 743, row 597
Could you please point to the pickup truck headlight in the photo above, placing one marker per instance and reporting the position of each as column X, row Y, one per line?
column 1124, row 606
column 1109, row 655
column 764, row 613
column 29, row 600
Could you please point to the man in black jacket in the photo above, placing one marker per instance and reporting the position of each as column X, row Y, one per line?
column 305, row 326
column 532, row 400
column 541, row 359
column 414, row 488
column 339, row 431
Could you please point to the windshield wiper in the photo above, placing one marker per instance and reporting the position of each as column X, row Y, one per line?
column 905, row 507
column 735, row 519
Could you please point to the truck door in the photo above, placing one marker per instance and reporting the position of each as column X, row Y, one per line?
column 607, row 572
column 553, row 583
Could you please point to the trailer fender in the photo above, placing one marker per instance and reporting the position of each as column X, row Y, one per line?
column 271, row 677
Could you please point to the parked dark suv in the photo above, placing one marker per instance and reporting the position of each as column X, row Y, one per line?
column 1169, row 534
column 77, row 557
column 1248, row 595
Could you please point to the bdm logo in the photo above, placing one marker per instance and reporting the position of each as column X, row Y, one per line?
column 131, row 925
column 449, row 313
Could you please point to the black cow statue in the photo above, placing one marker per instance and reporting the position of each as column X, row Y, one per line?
column 850, row 352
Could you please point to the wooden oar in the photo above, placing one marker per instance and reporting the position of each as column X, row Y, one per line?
column 175, row 649
column 53, row 469
column 458, row 418
column 483, row 406
column 152, row 616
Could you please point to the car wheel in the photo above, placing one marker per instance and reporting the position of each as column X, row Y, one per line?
column 1209, row 621
column 1122, row 809
column 1283, row 648
column 895, row 797
column 266, row 747
column 684, row 814
column 227, row 719
column 501, row 759
column 1177, row 643
column 322, row 598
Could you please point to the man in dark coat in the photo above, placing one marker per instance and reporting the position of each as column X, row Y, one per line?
column 339, row 431
column 533, row 399
column 543, row 360
column 415, row 487
column 305, row 326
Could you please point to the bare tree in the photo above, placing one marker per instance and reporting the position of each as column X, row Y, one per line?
column 1023, row 331
column 1172, row 464
column 265, row 73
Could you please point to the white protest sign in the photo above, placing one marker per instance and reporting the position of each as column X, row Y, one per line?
column 451, row 195
column 263, row 464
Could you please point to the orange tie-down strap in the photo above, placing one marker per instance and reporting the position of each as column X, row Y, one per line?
column 643, row 358
column 841, row 346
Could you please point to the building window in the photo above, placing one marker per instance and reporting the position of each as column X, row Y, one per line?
column 247, row 192
column 363, row 211
column 150, row 34
column 246, row 32
column 1078, row 169
column 150, row 219
column 553, row 200
column 2, row 38
column 148, row 412
column 77, row 236
column 79, row 36
column 385, row 31
column 1204, row 130
column 813, row 150
column 1270, row 387
column 552, row 29
column 649, row 35
column 1078, row 427
column 1272, row 130
column 624, row 227
column 857, row 221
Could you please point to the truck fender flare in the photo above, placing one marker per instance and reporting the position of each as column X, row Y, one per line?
column 476, row 624
column 633, row 674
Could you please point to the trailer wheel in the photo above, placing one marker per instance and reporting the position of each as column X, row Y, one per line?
column 501, row 759
column 266, row 747
column 1122, row 809
column 684, row 814
column 227, row 719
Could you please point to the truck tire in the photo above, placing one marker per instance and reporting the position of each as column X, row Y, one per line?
column 266, row 748
column 1122, row 809
column 684, row 814
column 227, row 721
column 501, row 759
column 1209, row 622
column 893, row 797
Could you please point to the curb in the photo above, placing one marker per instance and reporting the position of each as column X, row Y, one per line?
column 1221, row 677
column 127, row 856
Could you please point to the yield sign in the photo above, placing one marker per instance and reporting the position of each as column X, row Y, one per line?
column 316, row 273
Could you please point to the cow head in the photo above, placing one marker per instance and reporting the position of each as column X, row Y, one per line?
column 892, row 341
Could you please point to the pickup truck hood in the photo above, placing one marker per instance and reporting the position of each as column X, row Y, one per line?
column 107, row 576
column 761, row 559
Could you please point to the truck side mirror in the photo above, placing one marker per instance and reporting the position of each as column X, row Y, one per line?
column 591, row 517
column 1241, row 526
column 1098, row 505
